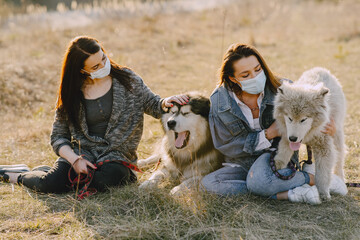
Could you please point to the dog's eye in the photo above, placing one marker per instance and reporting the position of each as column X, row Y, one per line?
column 172, row 112
column 185, row 113
column 290, row 119
column 303, row 120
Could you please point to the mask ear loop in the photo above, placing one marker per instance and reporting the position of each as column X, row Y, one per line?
column 85, row 73
column 238, row 82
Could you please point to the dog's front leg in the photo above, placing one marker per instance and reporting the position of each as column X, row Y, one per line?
column 148, row 161
column 325, row 155
column 155, row 178
column 283, row 154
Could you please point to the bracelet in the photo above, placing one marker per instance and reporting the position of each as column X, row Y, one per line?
column 163, row 106
column 80, row 157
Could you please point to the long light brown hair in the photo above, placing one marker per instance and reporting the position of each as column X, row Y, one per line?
column 238, row 51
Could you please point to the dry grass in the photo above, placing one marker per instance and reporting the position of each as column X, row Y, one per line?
column 176, row 53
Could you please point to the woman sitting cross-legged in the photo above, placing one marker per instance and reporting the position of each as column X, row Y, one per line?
column 243, row 129
column 98, row 123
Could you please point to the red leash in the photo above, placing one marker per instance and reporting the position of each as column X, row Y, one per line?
column 85, row 191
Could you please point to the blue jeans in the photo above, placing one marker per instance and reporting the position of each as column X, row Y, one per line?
column 259, row 180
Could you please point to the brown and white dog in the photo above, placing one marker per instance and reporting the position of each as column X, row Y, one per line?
column 187, row 151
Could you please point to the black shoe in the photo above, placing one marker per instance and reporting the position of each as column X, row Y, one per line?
column 4, row 177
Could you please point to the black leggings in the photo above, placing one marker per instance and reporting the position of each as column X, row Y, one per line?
column 56, row 179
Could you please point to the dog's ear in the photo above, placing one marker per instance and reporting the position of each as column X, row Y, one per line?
column 200, row 105
column 280, row 90
column 324, row 91
column 321, row 96
column 321, row 89
column 283, row 86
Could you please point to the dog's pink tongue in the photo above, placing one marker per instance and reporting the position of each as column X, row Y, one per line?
column 295, row 146
column 179, row 141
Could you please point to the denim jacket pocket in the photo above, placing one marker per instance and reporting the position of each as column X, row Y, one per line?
column 233, row 124
column 235, row 127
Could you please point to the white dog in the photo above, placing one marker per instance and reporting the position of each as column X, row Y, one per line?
column 187, row 151
column 302, row 109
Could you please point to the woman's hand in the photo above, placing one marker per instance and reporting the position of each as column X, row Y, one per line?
column 80, row 166
column 272, row 131
column 330, row 128
column 79, row 163
column 180, row 99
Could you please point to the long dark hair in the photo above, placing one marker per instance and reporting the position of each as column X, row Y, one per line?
column 236, row 52
column 72, row 79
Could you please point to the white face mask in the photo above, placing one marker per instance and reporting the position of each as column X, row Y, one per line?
column 102, row 72
column 254, row 85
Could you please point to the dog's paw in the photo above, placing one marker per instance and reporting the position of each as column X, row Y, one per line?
column 148, row 184
column 176, row 191
column 179, row 191
column 279, row 163
column 141, row 163
column 324, row 192
column 325, row 196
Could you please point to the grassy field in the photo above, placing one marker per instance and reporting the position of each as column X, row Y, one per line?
column 175, row 53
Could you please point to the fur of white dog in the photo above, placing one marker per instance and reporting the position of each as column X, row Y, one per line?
column 187, row 151
column 302, row 109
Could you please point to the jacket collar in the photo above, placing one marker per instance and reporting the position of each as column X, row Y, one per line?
column 118, row 102
column 226, row 102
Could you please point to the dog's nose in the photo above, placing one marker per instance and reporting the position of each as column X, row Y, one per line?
column 293, row 139
column 171, row 124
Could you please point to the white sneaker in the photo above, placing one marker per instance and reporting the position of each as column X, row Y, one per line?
column 305, row 193
column 337, row 185
column 309, row 168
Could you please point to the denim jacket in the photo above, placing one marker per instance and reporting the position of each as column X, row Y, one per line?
column 230, row 130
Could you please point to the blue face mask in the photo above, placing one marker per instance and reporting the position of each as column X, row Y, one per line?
column 254, row 85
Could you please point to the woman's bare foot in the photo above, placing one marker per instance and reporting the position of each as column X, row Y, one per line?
column 284, row 195
column 312, row 179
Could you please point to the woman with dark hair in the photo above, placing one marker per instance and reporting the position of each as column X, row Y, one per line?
column 243, row 129
column 98, row 123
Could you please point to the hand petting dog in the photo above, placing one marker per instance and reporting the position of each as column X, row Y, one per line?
column 180, row 99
